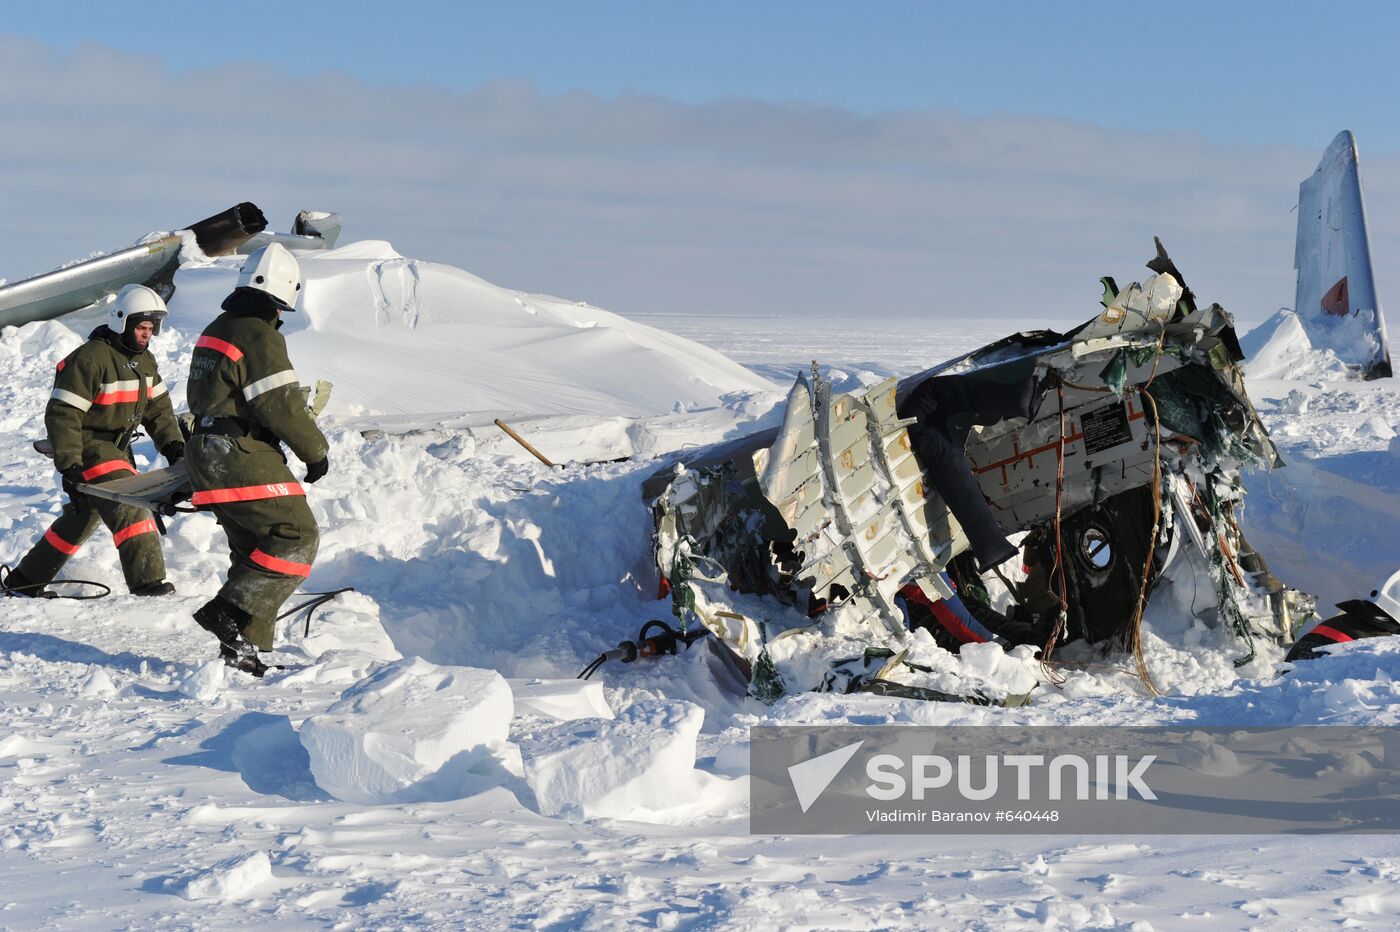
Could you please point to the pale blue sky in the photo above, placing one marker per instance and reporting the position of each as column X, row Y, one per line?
column 797, row 158
column 1232, row 71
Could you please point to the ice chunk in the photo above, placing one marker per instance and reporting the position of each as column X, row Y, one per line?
column 565, row 700
column 98, row 685
column 390, row 734
column 1296, row 403
column 632, row 767
column 204, row 682
column 233, row 879
column 1375, row 426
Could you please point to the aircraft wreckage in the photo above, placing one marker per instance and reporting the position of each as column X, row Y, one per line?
column 153, row 261
column 826, row 539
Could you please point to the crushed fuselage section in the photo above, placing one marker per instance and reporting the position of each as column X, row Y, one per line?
column 830, row 526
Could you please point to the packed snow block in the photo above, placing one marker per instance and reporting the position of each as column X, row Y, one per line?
column 627, row 768
column 232, row 879
column 390, row 735
column 205, row 681
column 565, row 700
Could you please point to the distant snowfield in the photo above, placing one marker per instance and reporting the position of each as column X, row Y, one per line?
column 376, row 783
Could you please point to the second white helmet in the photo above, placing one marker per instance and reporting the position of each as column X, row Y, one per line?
column 272, row 269
column 1386, row 596
column 135, row 303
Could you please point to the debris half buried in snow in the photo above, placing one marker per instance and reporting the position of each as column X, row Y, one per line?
column 637, row 766
column 393, row 736
column 565, row 700
column 233, row 879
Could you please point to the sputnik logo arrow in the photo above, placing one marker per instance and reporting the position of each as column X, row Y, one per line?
column 811, row 777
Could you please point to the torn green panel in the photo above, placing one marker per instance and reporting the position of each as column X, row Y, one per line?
column 1115, row 374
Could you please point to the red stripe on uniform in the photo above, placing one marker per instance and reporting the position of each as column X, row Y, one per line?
column 61, row 364
column 117, row 398
column 286, row 567
column 953, row 623
column 140, row 527
column 59, row 544
column 102, row 469
column 219, row 346
column 943, row 614
column 1331, row 634
column 248, row 493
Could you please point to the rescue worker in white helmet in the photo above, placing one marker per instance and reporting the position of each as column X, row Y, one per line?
column 1377, row 615
column 247, row 402
column 103, row 392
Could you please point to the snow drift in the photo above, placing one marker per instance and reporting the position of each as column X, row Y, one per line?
column 410, row 342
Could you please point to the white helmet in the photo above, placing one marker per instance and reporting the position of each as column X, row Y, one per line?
column 135, row 304
column 1386, row 596
column 273, row 270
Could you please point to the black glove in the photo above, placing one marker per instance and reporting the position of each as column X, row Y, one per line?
column 72, row 477
column 173, row 452
column 318, row 469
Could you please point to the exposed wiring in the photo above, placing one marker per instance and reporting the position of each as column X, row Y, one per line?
column 1057, row 571
column 1140, row 610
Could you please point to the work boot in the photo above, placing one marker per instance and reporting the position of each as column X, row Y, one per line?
column 160, row 587
column 247, row 662
column 16, row 583
column 226, row 622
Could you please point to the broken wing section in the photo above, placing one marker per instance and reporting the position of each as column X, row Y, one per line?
column 1336, row 299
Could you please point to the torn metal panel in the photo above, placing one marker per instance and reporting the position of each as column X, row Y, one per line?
column 161, row 490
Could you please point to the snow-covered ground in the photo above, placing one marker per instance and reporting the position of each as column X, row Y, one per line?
column 142, row 785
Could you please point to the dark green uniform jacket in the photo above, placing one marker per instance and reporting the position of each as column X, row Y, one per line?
column 240, row 370
column 246, row 402
column 106, row 390
column 103, row 391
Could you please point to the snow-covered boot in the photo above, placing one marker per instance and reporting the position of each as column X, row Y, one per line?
column 226, row 622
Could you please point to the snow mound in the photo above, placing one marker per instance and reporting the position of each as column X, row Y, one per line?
column 204, row 682
column 97, row 684
column 639, row 766
column 233, row 879
column 564, row 700
column 402, row 338
column 392, row 736
column 1279, row 348
column 350, row 623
